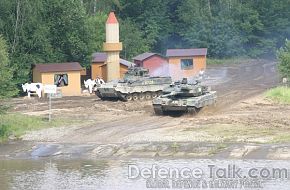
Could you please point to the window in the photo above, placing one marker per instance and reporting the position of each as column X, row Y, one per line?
column 186, row 64
column 61, row 80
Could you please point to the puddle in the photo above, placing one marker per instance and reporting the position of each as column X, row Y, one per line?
column 115, row 174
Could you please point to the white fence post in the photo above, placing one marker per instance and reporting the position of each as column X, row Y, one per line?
column 49, row 89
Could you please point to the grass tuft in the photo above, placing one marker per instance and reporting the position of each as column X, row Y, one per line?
column 279, row 94
column 17, row 124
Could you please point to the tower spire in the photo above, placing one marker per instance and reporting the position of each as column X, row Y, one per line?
column 112, row 18
column 112, row 47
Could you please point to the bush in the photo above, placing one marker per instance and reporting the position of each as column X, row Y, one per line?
column 7, row 86
column 4, row 132
column 283, row 56
column 3, row 109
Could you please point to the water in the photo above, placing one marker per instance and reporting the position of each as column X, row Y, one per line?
column 114, row 174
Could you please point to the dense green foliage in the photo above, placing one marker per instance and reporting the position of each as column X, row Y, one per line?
column 7, row 85
column 284, row 60
column 41, row 31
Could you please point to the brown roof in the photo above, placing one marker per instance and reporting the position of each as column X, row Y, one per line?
column 58, row 67
column 126, row 63
column 144, row 56
column 99, row 57
column 185, row 52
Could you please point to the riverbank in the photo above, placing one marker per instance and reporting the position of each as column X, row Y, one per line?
column 255, row 128
column 14, row 125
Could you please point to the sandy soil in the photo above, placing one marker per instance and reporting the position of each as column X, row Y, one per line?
column 242, row 115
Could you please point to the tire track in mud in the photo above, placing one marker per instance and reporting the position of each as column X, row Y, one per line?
column 116, row 130
column 245, row 81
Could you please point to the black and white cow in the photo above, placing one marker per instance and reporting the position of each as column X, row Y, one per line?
column 32, row 87
column 91, row 84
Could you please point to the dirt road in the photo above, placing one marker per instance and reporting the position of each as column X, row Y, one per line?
column 237, row 82
column 128, row 124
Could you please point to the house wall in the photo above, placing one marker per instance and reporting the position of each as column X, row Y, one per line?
column 157, row 65
column 96, row 70
column 74, row 82
column 36, row 76
column 99, row 69
column 123, row 70
column 104, row 73
column 138, row 63
column 199, row 63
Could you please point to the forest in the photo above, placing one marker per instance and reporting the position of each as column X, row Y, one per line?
column 47, row 31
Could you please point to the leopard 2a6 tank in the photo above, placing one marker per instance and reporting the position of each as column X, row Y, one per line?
column 184, row 97
column 136, row 85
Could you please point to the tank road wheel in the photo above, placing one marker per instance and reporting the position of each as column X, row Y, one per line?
column 128, row 97
column 141, row 96
column 158, row 110
column 154, row 95
column 135, row 96
column 148, row 96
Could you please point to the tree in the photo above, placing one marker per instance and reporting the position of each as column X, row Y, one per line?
column 7, row 86
column 225, row 40
column 95, row 26
column 46, row 31
column 275, row 17
column 151, row 17
column 284, row 59
column 70, row 34
column 206, row 24
column 132, row 38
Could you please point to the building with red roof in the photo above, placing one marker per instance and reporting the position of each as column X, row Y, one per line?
column 156, row 63
column 178, row 63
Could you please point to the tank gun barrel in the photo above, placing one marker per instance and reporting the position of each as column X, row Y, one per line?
column 173, row 93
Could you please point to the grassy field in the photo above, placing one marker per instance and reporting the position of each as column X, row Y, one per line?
column 15, row 125
column 279, row 94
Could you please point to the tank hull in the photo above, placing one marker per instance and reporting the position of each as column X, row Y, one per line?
column 167, row 104
column 145, row 88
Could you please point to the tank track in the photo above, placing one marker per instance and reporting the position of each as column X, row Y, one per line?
column 190, row 110
column 193, row 110
column 158, row 110
column 99, row 94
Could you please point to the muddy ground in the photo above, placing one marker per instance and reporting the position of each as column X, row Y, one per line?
column 243, row 123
